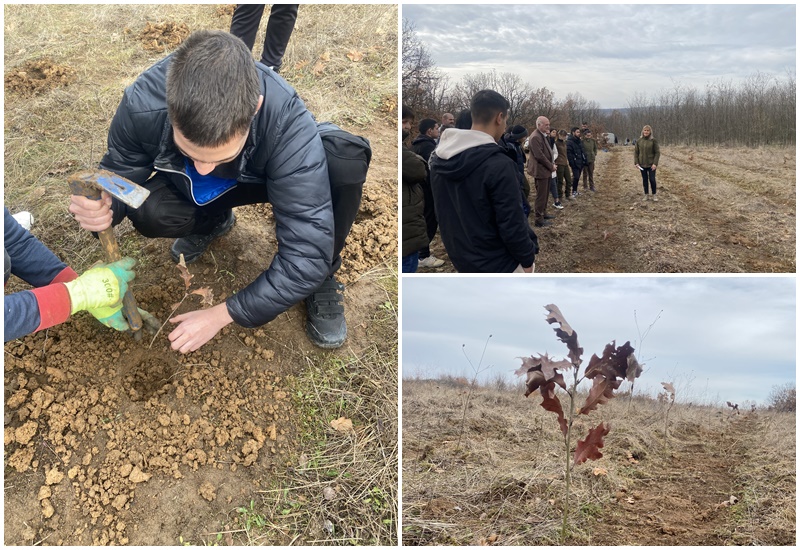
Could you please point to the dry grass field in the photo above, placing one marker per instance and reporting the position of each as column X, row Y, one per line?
column 720, row 210
column 504, row 483
column 110, row 441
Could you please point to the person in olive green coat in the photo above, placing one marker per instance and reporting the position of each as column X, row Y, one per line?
column 563, row 175
column 415, row 172
column 646, row 156
column 590, row 148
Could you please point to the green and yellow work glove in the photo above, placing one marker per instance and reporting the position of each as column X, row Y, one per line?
column 113, row 317
column 101, row 286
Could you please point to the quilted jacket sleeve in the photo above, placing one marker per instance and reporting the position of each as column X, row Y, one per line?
column 128, row 153
column 299, row 191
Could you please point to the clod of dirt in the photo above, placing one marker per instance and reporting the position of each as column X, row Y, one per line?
column 35, row 77
column 208, row 491
column 25, row 433
column 160, row 37
column 45, row 492
column 47, row 508
column 53, row 477
column 137, row 476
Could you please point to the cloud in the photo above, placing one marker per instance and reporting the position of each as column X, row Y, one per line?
column 591, row 48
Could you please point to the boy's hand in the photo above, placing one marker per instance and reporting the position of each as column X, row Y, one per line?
column 91, row 214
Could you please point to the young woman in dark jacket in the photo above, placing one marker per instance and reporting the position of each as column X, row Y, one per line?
column 576, row 158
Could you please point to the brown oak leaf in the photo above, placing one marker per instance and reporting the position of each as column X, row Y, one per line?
column 551, row 403
column 565, row 333
column 185, row 275
column 634, row 368
column 540, row 370
column 206, row 294
column 589, row 448
column 602, row 390
column 613, row 364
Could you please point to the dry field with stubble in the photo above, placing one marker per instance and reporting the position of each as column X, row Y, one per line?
column 504, row 483
column 720, row 210
column 109, row 441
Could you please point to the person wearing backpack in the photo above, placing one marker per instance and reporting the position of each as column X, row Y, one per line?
column 208, row 129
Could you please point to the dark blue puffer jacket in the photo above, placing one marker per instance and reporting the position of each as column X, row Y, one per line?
column 283, row 152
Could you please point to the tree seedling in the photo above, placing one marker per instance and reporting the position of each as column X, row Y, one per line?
column 607, row 374
column 205, row 293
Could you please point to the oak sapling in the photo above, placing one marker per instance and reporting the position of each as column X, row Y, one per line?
column 206, row 294
column 607, row 373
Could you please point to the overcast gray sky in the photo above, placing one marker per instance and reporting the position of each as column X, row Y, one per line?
column 609, row 52
column 735, row 336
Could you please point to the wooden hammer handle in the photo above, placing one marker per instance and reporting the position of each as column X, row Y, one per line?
column 109, row 243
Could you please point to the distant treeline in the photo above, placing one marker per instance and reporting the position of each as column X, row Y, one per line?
column 759, row 111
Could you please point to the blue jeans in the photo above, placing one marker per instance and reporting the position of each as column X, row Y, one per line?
column 554, row 189
column 410, row 263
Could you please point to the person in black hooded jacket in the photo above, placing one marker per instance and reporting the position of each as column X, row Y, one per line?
column 208, row 129
column 576, row 157
column 477, row 196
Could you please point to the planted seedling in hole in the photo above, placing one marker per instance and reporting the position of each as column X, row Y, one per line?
column 206, row 293
column 607, row 374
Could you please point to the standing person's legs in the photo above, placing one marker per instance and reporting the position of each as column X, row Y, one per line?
column 279, row 29
column 431, row 225
column 645, row 173
column 576, row 178
column 590, row 169
column 554, row 189
column 652, row 181
column 540, row 206
column 562, row 183
column 410, row 263
column 585, row 177
column 245, row 22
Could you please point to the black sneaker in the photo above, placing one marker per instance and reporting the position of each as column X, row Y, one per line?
column 193, row 246
column 325, row 323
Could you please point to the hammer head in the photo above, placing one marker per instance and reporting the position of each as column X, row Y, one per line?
column 89, row 184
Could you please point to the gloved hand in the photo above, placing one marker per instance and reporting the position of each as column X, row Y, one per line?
column 101, row 286
column 112, row 317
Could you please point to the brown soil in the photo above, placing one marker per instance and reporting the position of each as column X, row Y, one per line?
column 161, row 37
column 688, row 502
column 111, row 441
column 502, row 481
column 720, row 210
column 36, row 77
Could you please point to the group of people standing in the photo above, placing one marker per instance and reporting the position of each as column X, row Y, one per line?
column 471, row 183
column 556, row 162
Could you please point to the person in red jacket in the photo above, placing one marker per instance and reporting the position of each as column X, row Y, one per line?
column 59, row 291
